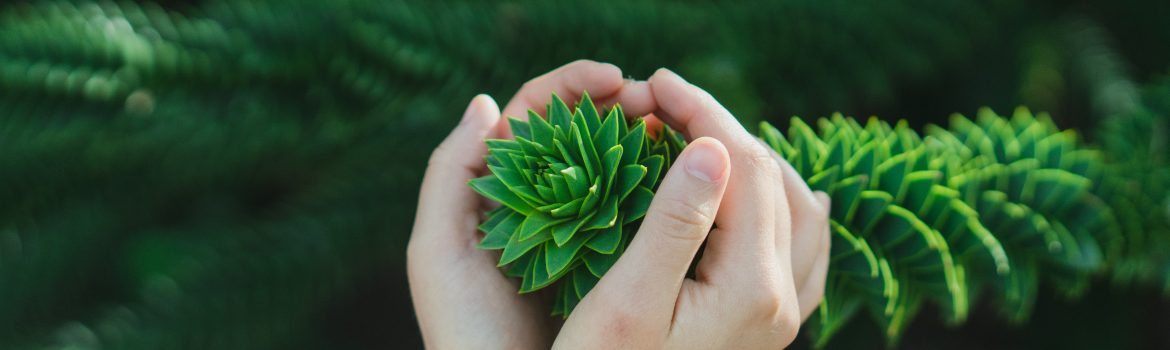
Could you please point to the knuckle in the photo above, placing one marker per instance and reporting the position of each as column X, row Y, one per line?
column 760, row 159
column 767, row 301
column 683, row 219
column 440, row 155
column 779, row 316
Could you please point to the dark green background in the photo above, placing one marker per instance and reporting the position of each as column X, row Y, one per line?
column 253, row 187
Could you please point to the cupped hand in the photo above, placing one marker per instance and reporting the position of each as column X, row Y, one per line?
column 764, row 266
column 461, row 299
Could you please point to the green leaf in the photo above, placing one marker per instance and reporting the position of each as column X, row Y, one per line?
column 520, row 128
column 537, row 266
column 591, row 200
column 577, row 181
column 609, row 166
column 607, row 239
column 537, row 222
column 542, row 131
column 583, row 282
column 568, row 209
column 565, row 231
column 520, row 267
column 628, row 177
column 492, row 188
column 558, row 257
column 517, row 185
column 654, row 165
column 511, row 145
column 606, row 215
column 589, row 113
column 598, row 263
column 607, row 136
column 499, row 235
column 636, row 205
column 571, row 155
column 517, row 247
column 494, row 217
column 588, row 152
column 871, row 207
column 558, row 113
column 633, row 142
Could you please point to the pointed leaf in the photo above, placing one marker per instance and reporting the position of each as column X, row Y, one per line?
column 609, row 167
column 565, row 231
column 537, row 222
column 607, row 136
column 633, row 142
column 558, row 113
column 636, row 205
column 628, row 177
column 588, row 152
column 520, row 128
column 589, row 111
column 583, row 282
column 517, row 247
column 500, row 234
column 607, row 239
column 654, row 165
column 598, row 264
column 606, row 215
column 568, row 209
column 491, row 187
column 557, row 258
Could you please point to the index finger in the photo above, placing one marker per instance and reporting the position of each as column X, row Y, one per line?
column 751, row 210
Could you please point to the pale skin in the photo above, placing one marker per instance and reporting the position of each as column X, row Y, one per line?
column 761, row 274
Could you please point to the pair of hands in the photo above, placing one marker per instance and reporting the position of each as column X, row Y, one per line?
column 762, row 273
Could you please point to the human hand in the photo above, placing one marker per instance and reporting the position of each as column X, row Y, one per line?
column 765, row 263
column 461, row 299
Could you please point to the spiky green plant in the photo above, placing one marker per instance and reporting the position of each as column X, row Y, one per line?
column 992, row 204
column 573, row 190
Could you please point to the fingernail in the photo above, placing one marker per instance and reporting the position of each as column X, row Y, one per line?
column 705, row 161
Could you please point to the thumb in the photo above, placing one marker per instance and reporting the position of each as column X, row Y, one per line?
column 651, row 271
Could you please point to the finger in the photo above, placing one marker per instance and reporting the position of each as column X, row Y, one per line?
column 650, row 273
column 635, row 97
column 752, row 211
column 444, row 193
column 600, row 80
column 809, row 218
column 812, row 290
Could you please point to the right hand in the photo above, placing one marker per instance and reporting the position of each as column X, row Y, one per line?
column 764, row 267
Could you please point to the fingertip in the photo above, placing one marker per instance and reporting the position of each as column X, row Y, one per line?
column 481, row 113
column 636, row 98
column 664, row 73
column 607, row 79
column 608, row 69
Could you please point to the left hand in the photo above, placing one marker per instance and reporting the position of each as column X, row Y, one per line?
column 462, row 300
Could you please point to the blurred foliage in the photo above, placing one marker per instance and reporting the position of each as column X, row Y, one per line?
column 242, row 174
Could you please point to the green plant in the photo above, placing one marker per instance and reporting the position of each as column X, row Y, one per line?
column 573, row 191
column 992, row 204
